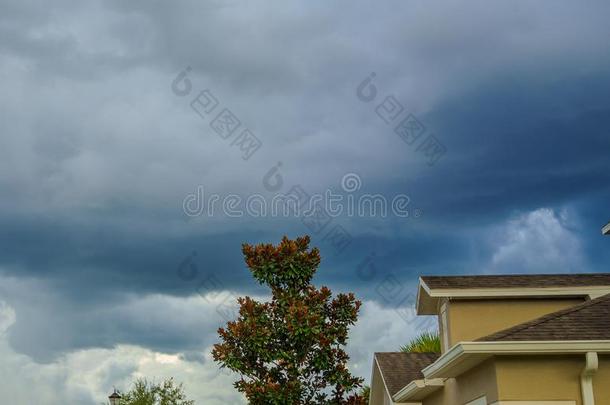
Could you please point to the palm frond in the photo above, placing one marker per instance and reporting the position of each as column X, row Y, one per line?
column 427, row 342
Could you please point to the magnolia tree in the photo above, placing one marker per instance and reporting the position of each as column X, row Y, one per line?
column 290, row 350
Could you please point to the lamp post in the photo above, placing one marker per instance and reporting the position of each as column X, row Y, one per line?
column 115, row 398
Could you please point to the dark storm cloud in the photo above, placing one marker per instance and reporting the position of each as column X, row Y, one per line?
column 521, row 145
column 97, row 153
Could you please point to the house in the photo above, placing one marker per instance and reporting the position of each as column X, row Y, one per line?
column 506, row 340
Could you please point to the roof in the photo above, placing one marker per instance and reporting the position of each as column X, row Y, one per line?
column 517, row 281
column 399, row 369
column 588, row 321
column 434, row 288
column 606, row 229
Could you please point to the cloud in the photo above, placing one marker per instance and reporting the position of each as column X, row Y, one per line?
column 49, row 326
column 97, row 154
column 87, row 375
column 382, row 329
column 7, row 317
column 540, row 241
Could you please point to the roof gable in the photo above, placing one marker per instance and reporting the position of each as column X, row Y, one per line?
column 433, row 288
column 587, row 321
column 398, row 369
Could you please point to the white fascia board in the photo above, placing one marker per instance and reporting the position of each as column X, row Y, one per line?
column 418, row 389
column 423, row 300
column 408, row 390
column 591, row 291
column 423, row 285
column 606, row 229
column 465, row 355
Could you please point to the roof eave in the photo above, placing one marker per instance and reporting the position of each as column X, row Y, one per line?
column 425, row 304
column 465, row 355
column 418, row 390
column 427, row 298
column 606, row 229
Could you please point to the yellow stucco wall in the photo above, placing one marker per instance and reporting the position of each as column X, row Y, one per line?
column 550, row 378
column 472, row 319
column 525, row 378
column 539, row 378
column 601, row 381
column 471, row 385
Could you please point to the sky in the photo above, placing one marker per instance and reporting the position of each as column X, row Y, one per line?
column 486, row 122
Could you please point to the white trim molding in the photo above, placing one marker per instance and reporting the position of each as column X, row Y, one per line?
column 465, row 355
column 418, row 389
column 534, row 403
column 444, row 326
column 479, row 401
column 606, row 229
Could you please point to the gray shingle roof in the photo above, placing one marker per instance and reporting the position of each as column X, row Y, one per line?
column 587, row 321
column 399, row 369
column 518, row 281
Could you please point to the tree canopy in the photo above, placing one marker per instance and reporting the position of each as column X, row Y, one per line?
column 145, row 392
column 290, row 350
